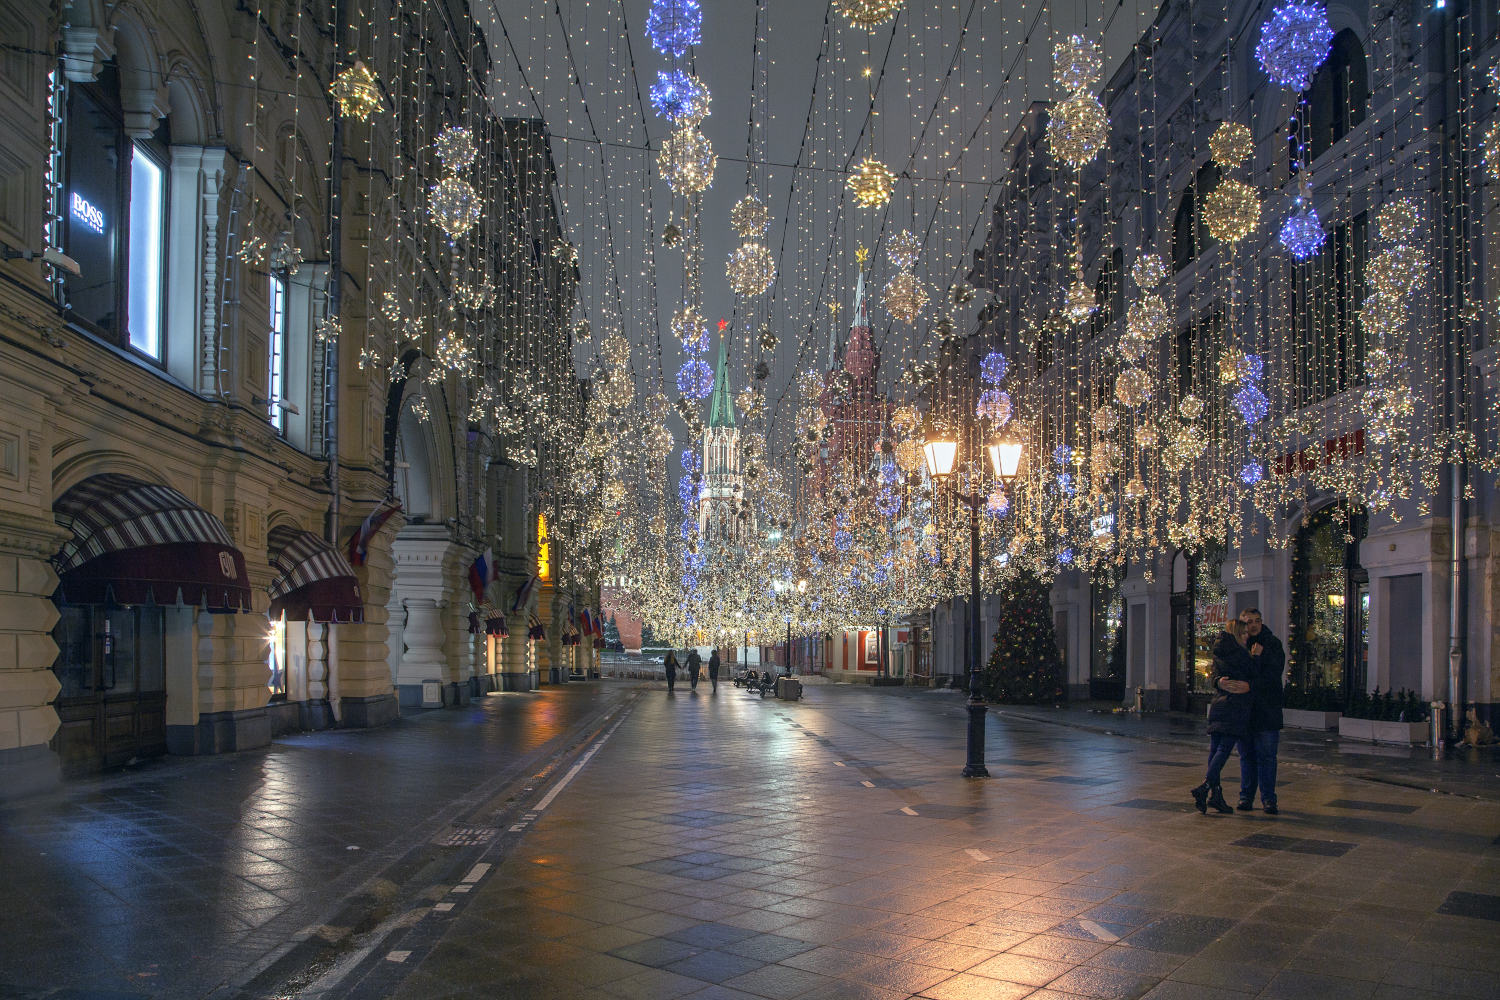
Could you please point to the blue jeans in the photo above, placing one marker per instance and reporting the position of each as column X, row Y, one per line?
column 1258, row 765
column 1219, row 748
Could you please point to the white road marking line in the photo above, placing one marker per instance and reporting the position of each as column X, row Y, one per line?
column 397, row 956
column 529, row 816
column 573, row 773
column 461, row 888
column 443, row 907
column 909, row 811
column 976, row 855
column 838, row 763
column 518, row 826
column 1099, row 932
column 477, row 872
column 868, row 784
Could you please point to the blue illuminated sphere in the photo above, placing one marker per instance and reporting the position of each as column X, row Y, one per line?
column 1302, row 234
column 690, row 460
column 689, row 581
column 888, row 502
column 993, row 368
column 880, row 575
column 1294, row 41
column 687, row 493
column 695, row 380
column 842, row 540
column 1065, row 557
column 1252, row 404
column 998, row 504
column 1062, row 454
column 674, row 25
column 695, row 344
column 888, row 473
column 676, row 94
column 1251, row 473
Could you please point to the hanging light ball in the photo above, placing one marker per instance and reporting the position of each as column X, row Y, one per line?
column 993, row 368
column 1146, row 436
column 1135, row 489
column 680, row 97
column 1076, row 64
column 963, row 293
column 1492, row 150
column 1078, row 129
column 1132, row 387
column 1397, row 271
column 767, row 339
column 357, row 92
column 998, row 504
column 1248, row 367
column 1132, row 346
column 1148, row 271
column 687, row 160
column 994, row 406
column 924, row 372
column 868, row 14
column 762, row 371
column 456, row 148
column 888, row 502
column 1302, row 234
column 1251, row 473
column 843, row 540
column 454, row 206
column 1399, row 220
column 1294, row 41
column 1080, row 303
column 1252, row 404
column 1148, row 318
column 749, row 217
column 695, row 380
column 903, row 250
column 1231, row 144
column 1191, row 407
column 909, row 456
column 671, row 235
column 674, row 25
column 872, row 183
column 904, row 296
column 1231, row 211
column 751, row 270
column 1106, row 418
column 689, row 328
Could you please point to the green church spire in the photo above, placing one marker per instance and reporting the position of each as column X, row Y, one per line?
column 721, row 409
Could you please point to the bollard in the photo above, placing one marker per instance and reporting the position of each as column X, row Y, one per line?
column 1140, row 701
column 1435, row 728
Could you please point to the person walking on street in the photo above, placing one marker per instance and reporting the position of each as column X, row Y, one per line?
column 671, row 665
column 1228, row 714
column 1262, row 740
column 694, row 661
column 713, row 670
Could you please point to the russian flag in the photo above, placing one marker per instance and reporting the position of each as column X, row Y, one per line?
column 586, row 622
column 523, row 594
column 481, row 574
column 359, row 542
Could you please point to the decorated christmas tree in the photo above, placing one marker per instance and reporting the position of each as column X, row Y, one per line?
column 612, row 635
column 1024, row 668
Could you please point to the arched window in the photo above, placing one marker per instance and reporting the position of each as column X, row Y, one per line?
column 113, row 208
column 1189, row 232
column 1340, row 94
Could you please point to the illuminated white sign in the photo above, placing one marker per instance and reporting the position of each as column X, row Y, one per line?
column 87, row 214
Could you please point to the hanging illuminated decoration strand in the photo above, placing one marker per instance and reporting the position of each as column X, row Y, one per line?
column 1294, row 42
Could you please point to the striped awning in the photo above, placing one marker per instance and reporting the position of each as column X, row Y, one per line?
column 313, row 579
column 134, row 540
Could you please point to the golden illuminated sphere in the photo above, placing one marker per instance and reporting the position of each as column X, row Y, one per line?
column 1382, row 317
column 1148, row 271
column 1231, row 144
column 1132, row 387
column 1078, row 129
column 903, row 249
column 1080, row 303
column 868, row 14
column 1132, row 346
column 454, row 206
column 1106, row 418
column 904, row 296
column 1399, row 220
column 751, row 270
column 456, row 148
column 749, row 217
column 356, row 91
column 1191, row 407
column 687, row 160
column 905, row 419
column 872, row 183
column 1076, row 64
column 1135, row 489
column 1148, row 318
column 1397, row 271
column 1231, row 211
column 909, row 456
column 1146, row 436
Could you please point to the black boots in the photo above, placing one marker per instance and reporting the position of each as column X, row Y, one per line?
column 1206, row 795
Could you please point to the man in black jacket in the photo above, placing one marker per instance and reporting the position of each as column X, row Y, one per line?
column 694, row 661
column 1259, row 747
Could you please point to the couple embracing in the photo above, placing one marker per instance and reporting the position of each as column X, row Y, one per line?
column 1245, row 713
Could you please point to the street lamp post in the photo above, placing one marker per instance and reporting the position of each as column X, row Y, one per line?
column 1005, row 458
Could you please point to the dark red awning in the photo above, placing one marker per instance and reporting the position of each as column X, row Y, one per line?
column 133, row 541
column 314, row 580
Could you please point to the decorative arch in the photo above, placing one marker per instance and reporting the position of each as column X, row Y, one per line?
column 143, row 86
column 187, row 104
column 69, row 472
column 424, row 446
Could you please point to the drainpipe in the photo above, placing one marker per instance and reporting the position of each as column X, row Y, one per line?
column 335, row 291
column 1456, row 194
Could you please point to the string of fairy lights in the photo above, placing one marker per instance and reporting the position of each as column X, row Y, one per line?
column 1195, row 273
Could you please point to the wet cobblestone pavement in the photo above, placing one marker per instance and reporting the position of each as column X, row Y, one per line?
column 609, row 841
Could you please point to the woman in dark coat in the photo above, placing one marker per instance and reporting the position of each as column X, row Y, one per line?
column 1228, row 714
column 713, row 670
column 671, row 665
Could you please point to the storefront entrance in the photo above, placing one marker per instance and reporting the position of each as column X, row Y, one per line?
column 112, row 667
column 1329, row 641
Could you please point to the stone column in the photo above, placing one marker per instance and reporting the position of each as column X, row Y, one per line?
column 422, row 554
column 515, row 674
column 424, row 659
column 359, row 653
column 230, row 663
column 319, row 713
column 27, row 683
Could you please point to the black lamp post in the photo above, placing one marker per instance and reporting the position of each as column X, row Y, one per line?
column 940, row 452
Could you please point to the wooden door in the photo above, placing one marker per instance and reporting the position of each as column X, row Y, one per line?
column 111, row 666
